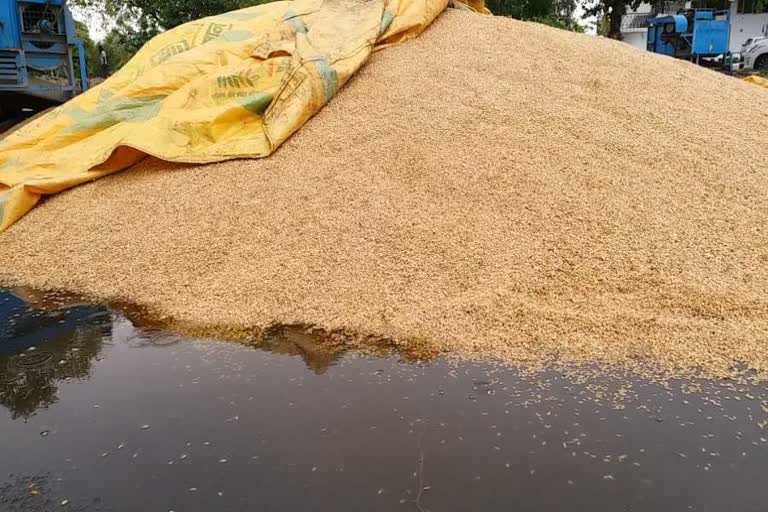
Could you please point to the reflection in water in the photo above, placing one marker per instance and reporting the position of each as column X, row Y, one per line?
column 316, row 348
column 43, row 344
column 49, row 337
column 318, row 353
column 62, row 321
column 203, row 425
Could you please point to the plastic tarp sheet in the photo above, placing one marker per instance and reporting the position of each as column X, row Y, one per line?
column 758, row 80
column 229, row 86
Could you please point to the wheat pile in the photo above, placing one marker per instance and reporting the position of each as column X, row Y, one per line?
column 492, row 189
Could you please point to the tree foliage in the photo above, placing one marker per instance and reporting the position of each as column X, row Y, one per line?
column 152, row 16
column 136, row 21
column 91, row 50
column 119, row 50
column 609, row 14
column 556, row 13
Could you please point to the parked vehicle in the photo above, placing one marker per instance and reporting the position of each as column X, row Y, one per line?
column 754, row 54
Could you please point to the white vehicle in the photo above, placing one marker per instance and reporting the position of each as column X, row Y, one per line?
column 755, row 54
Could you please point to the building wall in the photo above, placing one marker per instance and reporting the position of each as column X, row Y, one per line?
column 636, row 39
column 641, row 9
column 744, row 26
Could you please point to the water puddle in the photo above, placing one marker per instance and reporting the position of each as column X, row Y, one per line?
column 97, row 414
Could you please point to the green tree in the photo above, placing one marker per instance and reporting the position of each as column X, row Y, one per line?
column 119, row 49
column 91, row 52
column 609, row 14
column 556, row 13
column 137, row 21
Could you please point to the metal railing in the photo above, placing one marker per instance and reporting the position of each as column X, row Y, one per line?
column 635, row 22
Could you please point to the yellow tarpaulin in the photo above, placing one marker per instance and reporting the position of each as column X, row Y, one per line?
column 229, row 86
column 754, row 79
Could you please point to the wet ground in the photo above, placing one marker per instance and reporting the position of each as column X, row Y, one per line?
column 97, row 414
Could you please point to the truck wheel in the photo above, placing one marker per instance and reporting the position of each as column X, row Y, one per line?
column 761, row 64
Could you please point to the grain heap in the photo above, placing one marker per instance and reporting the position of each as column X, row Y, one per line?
column 492, row 189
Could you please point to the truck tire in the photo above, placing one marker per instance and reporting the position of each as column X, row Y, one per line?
column 761, row 64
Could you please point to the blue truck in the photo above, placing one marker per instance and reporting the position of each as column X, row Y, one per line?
column 38, row 48
column 691, row 34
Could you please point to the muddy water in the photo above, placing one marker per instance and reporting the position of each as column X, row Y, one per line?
column 97, row 414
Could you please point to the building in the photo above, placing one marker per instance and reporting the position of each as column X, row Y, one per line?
column 749, row 18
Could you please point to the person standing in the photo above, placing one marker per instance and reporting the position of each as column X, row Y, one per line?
column 103, row 61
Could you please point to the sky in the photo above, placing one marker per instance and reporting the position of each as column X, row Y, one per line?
column 590, row 24
column 98, row 25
